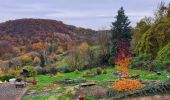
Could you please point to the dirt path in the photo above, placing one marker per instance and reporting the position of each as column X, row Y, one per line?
column 9, row 92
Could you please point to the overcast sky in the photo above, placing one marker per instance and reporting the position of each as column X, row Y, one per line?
column 94, row 14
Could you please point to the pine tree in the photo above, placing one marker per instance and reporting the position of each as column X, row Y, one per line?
column 121, row 31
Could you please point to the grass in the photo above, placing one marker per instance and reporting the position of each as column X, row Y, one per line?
column 47, row 98
column 45, row 82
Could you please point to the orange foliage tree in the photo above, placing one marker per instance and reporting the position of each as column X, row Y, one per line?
column 38, row 45
column 1, row 72
column 37, row 60
column 123, row 59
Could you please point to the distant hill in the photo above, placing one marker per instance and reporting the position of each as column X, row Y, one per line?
column 25, row 32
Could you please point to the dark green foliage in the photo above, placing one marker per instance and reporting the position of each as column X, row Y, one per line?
column 141, row 62
column 32, row 71
column 111, row 60
column 42, row 63
column 53, row 70
column 10, row 64
column 6, row 77
column 98, row 71
column 64, row 70
column 161, row 65
column 120, row 30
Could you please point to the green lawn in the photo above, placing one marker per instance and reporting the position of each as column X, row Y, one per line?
column 45, row 81
column 143, row 75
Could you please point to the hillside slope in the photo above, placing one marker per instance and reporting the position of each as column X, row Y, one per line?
column 23, row 33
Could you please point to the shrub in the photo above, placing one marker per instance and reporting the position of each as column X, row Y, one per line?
column 88, row 73
column 98, row 71
column 31, row 70
column 6, row 77
column 59, row 74
column 53, row 70
column 41, row 71
column 64, row 70
column 76, row 71
column 104, row 71
column 111, row 60
column 125, row 85
column 70, row 92
column 11, row 71
column 141, row 62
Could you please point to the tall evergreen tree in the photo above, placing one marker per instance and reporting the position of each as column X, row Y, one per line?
column 121, row 31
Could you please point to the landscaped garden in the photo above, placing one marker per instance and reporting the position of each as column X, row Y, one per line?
column 50, row 86
column 72, row 63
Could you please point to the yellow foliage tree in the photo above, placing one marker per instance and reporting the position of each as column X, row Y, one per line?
column 26, row 58
column 11, row 71
column 84, row 46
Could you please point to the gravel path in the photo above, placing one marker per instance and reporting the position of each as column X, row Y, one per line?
column 9, row 92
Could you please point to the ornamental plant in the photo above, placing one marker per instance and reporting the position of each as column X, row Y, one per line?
column 125, row 85
column 123, row 58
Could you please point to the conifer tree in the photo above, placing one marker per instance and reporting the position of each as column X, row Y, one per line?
column 121, row 31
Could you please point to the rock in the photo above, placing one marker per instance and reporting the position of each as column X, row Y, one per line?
column 87, row 84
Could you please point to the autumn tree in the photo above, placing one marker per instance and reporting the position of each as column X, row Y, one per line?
column 26, row 58
column 37, row 60
column 11, row 71
column 1, row 72
column 37, row 46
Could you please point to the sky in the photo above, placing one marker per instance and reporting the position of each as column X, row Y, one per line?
column 94, row 14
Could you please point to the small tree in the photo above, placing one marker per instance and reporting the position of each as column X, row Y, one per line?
column 42, row 63
column 1, row 72
column 11, row 71
column 26, row 59
column 31, row 70
column 37, row 60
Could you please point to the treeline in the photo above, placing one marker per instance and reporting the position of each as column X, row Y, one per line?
column 151, row 41
column 20, row 36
